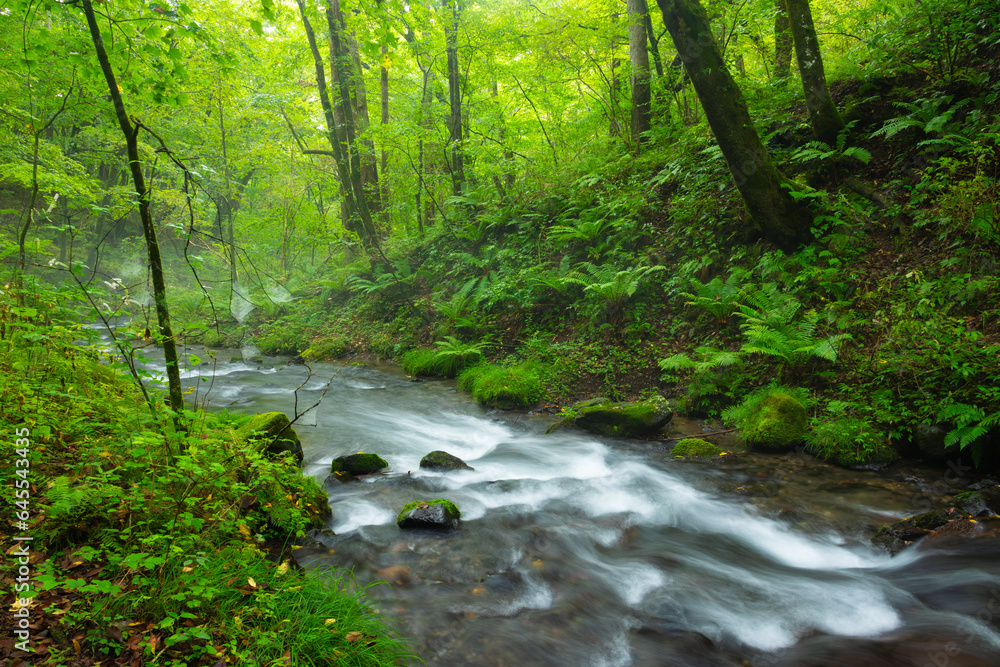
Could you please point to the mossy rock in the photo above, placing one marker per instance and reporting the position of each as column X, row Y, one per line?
column 504, row 387
column 622, row 420
column 437, row 514
column 904, row 532
column 273, row 432
column 696, row 448
column 439, row 460
column 778, row 423
column 983, row 502
column 355, row 465
column 326, row 349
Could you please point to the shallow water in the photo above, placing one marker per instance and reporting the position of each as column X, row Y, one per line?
column 580, row 550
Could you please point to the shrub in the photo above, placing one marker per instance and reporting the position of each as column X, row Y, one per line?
column 850, row 442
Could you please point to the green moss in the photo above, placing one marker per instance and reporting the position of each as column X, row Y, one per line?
column 850, row 442
column 353, row 465
column 502, row 387
column 449, row 507
column 330, row 348
column 772, row 418
column 623, row 420
column 263, row 429
column 695, row 448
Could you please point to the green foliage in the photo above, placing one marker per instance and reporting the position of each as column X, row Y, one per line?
column 771, row 327
column 849, row 441
column 449, row 358
column 718, row 297
column 610, row 288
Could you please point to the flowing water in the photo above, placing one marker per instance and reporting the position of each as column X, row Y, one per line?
column 580, row 550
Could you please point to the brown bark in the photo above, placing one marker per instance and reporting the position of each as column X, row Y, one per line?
column 175, row 396
column 778, row 216
column 823, row 115
column 639, row 61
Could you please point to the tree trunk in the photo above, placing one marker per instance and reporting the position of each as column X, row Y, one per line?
column 823, row 115
column 639, row 60
column 174, row 393
column 341, row 58
column 384, row 90
column 782, row 40
column 348, row 205
column 454, row 96
column 780, row 218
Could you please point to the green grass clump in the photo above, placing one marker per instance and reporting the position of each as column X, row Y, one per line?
column 447, row 359
column 695, row 448
column 330, row 348
column 502, row 387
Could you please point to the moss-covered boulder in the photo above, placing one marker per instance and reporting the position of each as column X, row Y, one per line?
column 905, row 532
column 778, row 423
column 983, row 502
column 696, row 448
column 272, row 432
column 439, row 460
column 437, row 514
column 621, row 420
column 348, row 467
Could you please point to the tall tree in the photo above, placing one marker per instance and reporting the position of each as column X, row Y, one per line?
column 823, row 115
column 782, row 40
column 131, row 134
column 781, row 219
column 639, row 60
column 453, row 11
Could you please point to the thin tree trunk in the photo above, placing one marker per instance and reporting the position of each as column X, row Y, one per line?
column 639, row 60
column 780, row 218
column 454, row 96
column 174, row 393
column 384, row 90
column 654, row 43
column 823, row 115
column 782, row 40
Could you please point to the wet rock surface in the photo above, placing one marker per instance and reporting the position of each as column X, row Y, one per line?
column 439, row 460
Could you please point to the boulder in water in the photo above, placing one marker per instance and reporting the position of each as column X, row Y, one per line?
column 904, row 532
column 348, row 467
column 438, row 514
column 273, row 432
column 622, row 420
column 439, row 460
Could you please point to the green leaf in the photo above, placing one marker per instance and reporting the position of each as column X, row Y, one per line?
column 257, row 27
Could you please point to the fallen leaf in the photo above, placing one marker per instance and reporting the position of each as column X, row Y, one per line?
column 282, row 569
column 253, row 584
column 353, row 637
column 329, row 621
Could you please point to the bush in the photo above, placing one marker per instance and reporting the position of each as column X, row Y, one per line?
column 449, row 358
column 850, row 442
column 771, row 418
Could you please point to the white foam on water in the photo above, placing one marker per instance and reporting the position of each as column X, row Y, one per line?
column 354, row 513
column 537, row 596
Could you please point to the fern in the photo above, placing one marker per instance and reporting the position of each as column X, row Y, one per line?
column 710, row 359
column 971, row 424
column 717, row 297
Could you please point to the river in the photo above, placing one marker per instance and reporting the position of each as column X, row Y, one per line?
column 579, row 550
